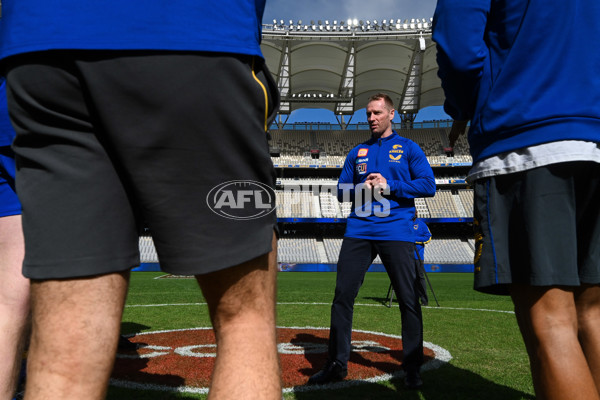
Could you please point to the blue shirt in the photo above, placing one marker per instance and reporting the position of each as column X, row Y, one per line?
column 229, row 26
column 408, row 173
column 521, row 80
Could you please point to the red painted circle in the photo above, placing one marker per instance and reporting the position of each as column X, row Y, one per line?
column 186, row 357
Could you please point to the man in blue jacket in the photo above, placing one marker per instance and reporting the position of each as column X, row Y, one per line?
column 131, row 112
column 531, row 91
column 381, row 177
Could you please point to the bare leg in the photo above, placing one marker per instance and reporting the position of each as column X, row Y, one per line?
column 241, row 302
column 587, row 300
column 14, row 304
column 547, row 318
column 74, row 336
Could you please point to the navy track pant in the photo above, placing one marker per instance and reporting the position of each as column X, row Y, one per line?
column 356, row 256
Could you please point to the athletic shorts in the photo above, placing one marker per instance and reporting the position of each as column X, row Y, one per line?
column 9, row 203
column 539, row 227
column 111, row 141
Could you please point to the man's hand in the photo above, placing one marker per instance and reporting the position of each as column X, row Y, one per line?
column 376, row 181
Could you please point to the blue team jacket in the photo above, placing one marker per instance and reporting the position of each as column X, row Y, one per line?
column 408, row 173
column 7, row 133
column 521, row 79
column 227, row 26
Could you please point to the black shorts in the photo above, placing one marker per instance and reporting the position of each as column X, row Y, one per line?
column 539, row 227
column 110, row 141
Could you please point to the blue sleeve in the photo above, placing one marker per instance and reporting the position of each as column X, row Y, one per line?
column 459, row 30
column 346, row 181
column 7, row 133
column 422, row 182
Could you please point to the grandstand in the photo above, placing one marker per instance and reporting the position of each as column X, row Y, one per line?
column 337, row 66
column 313, row 198
column 312, row 219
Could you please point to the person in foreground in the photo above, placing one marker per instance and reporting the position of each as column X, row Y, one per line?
column 531, row 93
column 14, row 287
column 129, row 112
column 389, row 171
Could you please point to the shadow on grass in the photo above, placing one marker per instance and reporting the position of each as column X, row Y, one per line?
column 445, row 383
column 128, row 378
column 382, row 300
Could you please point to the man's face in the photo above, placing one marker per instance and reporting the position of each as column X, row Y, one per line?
column 379, row 117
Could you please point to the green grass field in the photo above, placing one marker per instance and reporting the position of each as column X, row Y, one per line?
column 480, row 332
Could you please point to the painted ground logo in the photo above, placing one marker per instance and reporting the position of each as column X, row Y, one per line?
column 241, row 200
column 183, row 360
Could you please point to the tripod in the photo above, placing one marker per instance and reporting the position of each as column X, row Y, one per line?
column 390, row 293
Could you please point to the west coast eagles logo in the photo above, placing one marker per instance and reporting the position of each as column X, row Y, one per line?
column 396, row 153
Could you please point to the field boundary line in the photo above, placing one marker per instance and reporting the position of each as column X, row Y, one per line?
column 299, row 303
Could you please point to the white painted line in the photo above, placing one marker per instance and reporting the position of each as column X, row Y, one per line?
column 325, row 304
column 441, row 357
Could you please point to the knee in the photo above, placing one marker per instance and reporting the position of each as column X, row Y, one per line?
column 588, row 308
column 344, row 296
column 16, row 300
column 588, row 319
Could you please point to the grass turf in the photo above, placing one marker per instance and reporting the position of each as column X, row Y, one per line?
column 480, row 332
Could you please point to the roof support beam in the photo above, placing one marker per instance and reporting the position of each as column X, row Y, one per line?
column 283, row 83
column 346, row 89
column 411, row 98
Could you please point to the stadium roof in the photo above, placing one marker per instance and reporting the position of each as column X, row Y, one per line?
column 338, row 65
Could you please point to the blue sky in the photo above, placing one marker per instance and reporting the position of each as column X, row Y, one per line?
column 307, row 10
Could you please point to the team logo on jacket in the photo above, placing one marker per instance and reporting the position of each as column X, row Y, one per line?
column 363, row 152
column 396, row 153
column 361, row 168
